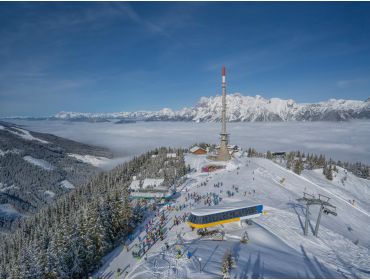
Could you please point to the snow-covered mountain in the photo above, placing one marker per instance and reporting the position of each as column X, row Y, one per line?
column 277, row 246
column 37, row 168
column 242, row 109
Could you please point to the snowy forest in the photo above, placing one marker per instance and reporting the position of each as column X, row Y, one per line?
column 68, row 238
column 31, row 172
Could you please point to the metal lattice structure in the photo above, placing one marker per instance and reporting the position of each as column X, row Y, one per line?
column 325, row 206
column 223, row 154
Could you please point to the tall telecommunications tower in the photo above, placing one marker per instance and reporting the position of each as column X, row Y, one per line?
column 223, row 154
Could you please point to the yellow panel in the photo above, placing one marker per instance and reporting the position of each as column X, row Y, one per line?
column 213, row 224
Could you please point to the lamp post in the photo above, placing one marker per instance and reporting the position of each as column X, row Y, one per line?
column 200, row 264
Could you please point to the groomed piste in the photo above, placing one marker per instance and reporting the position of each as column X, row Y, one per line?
column 276, row 248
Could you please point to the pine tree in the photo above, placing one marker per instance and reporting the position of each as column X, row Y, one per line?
column 249, row 152
column 227, row 264
column 298, row 166
column 127, row 210
column 68, row 238
column 269, row 155
column 329, row 174
column 321, row 161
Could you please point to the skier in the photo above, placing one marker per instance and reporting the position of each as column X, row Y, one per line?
column 118, row 272
column 189, row 254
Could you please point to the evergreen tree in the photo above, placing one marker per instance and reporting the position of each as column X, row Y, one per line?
column 249, row 152
column 298, row 166
column 269, row 155
column 68, row 238
column 227, row 264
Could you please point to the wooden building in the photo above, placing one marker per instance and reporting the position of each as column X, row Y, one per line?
column 198, row 150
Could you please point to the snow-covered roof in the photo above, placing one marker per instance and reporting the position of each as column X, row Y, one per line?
column 67, row 184
column 149, row 182
column 135, row 184
column 152, row 182
column 171, row 155
column 223, row 207
column 196, row 148
column 232, row 146
column 151, row 194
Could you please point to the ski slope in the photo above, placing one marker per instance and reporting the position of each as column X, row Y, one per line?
column 277, row 246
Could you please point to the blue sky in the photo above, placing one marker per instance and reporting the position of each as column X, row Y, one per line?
column 127, row 56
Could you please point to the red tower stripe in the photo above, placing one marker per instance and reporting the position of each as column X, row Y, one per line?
column 223, row 71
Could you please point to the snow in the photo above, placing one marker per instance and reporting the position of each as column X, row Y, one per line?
column 93, row 160
column 49, row 193
column 8, row 210
column 148, row 182
column 277, row 247
column 171, row 155
column 344, row 184
column 149, row 188
column 39, row 162
column 66, row 184
column 223, row 207
column 3, row 188
column 13, row 151
column 135, row 184
column 142, row 194
column 25, row 134
column 195, row 148
column 244, row 108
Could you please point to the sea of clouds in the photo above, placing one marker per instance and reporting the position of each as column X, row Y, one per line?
column 340, row 140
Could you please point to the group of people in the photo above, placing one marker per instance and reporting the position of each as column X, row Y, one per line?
column 217, row 185
column 193, row 196
column 119, row 272
column 250, row 192
column 230, row 193
column 211, row 199
column 180, row 219
column 154, row 231
column 235, row 188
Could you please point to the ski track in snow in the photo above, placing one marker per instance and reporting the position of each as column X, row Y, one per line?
column 323, row 189
column 277, row 247
column 25, row 134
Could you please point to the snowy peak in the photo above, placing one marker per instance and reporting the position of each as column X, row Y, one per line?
column 245, row 108
column 242, row 108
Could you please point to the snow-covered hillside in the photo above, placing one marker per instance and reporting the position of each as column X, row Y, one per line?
column 242, row 109
column 39, row 162
column 33, row 167
column 277, row 247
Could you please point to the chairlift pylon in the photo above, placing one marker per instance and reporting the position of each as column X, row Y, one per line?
column 325, row 206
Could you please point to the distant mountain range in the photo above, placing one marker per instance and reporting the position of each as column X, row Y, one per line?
column 239, row 109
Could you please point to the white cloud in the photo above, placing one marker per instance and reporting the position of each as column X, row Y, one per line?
column 339, row 140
